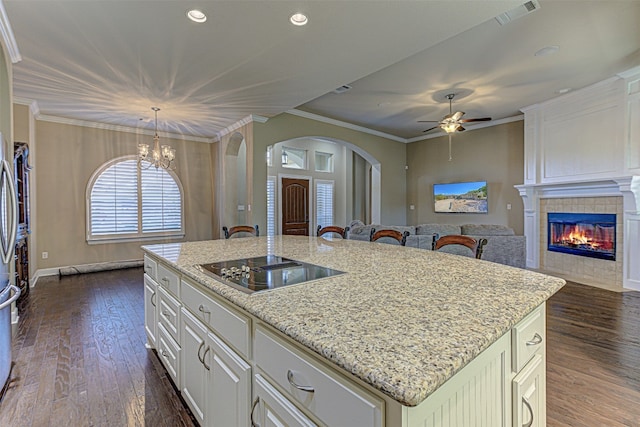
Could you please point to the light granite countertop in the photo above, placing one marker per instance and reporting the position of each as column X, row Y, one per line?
column 404, row 320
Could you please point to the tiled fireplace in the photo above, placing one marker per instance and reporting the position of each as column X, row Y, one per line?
column 620, row 197
column 600, row 268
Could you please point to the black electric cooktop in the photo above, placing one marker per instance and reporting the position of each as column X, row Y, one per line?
column 265, row 272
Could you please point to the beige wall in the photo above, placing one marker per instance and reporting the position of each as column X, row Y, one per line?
column 494, row 154
column 391, row 155
column 66, row 158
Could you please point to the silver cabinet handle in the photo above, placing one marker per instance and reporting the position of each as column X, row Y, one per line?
column 306, row 388
column 201, row 359
column 165, row 280
column 147, row 268
column 164, row 353
column 537, row 339
column 526, row 403
column 165, row 313
column 204, row 310
column 253, row 409
column 205, row 355
column 152, row 296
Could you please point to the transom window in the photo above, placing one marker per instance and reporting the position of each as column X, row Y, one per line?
column 126, row 202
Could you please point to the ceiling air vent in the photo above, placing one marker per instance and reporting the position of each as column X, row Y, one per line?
column 518, row 12
column 342, row 89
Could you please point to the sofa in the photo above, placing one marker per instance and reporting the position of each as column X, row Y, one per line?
column 503, row 245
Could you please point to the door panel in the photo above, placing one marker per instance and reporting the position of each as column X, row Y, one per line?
column 295, row 206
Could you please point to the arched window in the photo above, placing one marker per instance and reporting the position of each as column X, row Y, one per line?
column 125, row 202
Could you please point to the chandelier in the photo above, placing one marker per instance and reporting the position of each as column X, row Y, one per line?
column 160, row 156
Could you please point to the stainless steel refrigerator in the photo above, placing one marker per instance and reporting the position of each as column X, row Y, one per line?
column 8, row 292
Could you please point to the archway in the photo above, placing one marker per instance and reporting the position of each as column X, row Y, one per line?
column 357, row 180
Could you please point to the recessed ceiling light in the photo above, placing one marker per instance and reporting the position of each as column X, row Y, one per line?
column 299, row 19
column 547, row 50
column 564, row 90
column 197, row 16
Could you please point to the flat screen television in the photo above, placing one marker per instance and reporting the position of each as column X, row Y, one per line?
column 461, row 197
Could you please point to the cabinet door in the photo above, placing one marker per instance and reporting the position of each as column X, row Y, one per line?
column 229, row 385
column 150, row 312
column 194, row 373
column 272, row 409
column 529, row 397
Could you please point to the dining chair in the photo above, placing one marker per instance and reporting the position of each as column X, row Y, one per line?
column 332, row 229
column 228, row 232
column 476, row 245
column 394, row 234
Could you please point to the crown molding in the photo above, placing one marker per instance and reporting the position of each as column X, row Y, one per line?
column 478, row 126
column 118, row 128
column 32, row 104
column 240, row 123
column 8, row 38
column 346, row 125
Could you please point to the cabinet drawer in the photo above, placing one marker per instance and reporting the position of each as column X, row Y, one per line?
column 274, row 408
column 334, row 400
column 529, row 395
column 169, row 279
column 151, row 267
column 169, row 313
column 169, row 354
column 528, row 338
column 232, row 326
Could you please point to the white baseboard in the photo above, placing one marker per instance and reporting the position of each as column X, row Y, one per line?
column 84, row 268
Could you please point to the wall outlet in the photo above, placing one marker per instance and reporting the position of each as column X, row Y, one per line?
column 508, row 206
column 412, row 207
column 45, row 255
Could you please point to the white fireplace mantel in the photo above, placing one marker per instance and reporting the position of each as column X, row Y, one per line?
column 627, row 187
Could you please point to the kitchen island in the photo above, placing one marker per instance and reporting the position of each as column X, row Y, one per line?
column 405, row 335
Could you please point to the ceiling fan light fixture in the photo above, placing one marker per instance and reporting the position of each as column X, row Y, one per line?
column 197, row 16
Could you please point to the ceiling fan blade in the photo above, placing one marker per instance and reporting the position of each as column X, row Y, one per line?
column 481, row 119
column 435, row 127
column 457, row 115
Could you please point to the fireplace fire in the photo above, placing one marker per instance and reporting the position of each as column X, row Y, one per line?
column 583, row 234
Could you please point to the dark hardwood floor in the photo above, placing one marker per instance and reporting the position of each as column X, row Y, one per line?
column 593, row 357
column 81, row 360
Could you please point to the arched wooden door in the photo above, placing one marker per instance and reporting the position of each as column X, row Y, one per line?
column 295, row 206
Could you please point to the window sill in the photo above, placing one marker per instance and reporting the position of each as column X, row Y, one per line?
column 117, row 239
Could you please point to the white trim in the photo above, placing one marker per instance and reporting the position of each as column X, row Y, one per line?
column 98, row 266
column 346, row 125
column 630, row 72
column 44, row 272
column 240, row 123
column 480, row 125
column 140, row 235
column 35, row 110
column 8, row 38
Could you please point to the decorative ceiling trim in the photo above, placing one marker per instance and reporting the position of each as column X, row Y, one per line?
column 346, row 125
column 470, row 128
column 118, row 128
column 32, row 104
column 8, row 38
column 240, row 123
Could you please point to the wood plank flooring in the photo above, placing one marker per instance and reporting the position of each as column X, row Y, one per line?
column 81, row 361
column 593, row 358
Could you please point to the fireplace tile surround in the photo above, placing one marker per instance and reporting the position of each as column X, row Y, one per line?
column 592, row 271
column 620, row 196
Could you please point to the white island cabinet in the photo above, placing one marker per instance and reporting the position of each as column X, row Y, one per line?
column 248, row 360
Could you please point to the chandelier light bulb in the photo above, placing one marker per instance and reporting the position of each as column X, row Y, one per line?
column 160, row 157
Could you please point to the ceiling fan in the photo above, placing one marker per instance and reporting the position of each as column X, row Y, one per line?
column 452, row 122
